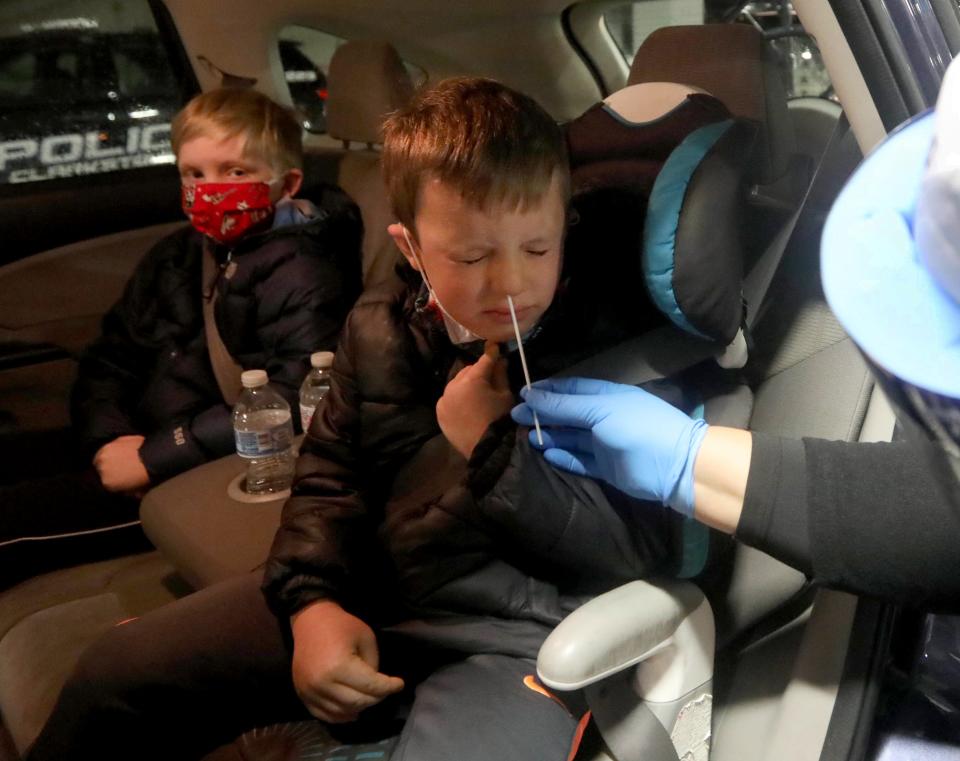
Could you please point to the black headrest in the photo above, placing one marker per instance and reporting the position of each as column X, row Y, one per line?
column 663, row 165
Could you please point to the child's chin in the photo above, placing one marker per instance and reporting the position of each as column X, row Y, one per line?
column 497, row 333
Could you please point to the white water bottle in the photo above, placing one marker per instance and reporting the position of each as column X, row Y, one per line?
column 315, row 386
column 264, row 434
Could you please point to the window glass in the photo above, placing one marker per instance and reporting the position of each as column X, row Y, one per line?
column 17, row 73
column 797, row 54
column 305, row 54
column 630, row 24
column 82, row 92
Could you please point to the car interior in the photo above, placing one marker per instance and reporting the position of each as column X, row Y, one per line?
column 774, row 666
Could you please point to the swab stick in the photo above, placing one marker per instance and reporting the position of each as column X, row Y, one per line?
column 523, row 362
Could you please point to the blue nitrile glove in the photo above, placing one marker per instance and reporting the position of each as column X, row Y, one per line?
column 620, row 434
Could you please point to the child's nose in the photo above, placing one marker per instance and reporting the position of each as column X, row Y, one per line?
column 507, row 275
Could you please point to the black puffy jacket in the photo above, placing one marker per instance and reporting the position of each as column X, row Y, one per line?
column 284, row 295
column 390, row 521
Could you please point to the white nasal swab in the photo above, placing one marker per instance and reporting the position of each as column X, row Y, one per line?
column 523, row 362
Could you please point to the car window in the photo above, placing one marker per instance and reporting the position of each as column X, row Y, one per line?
column 83, row 95
column 305, row 53
column 630, row 24
column 801, row 64
column 799, row 58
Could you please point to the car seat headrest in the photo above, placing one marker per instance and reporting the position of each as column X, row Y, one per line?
column 367, row 80
column 734, row 63
column 679, row 170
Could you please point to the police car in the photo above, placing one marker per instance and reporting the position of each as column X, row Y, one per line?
column 116, row 88
column 118, row 95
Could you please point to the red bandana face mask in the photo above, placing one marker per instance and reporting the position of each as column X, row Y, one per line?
column 226, row 211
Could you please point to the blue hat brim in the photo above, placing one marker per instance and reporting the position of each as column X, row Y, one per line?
column 882, row 295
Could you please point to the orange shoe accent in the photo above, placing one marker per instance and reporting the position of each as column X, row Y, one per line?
column 533, row 683
column 126, row 621
column 578, row 736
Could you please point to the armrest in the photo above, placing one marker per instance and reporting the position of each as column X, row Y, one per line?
column 667, row 626
column 206, row 534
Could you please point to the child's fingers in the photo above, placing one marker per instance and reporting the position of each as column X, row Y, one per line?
column 338, row 704
column 490, row 368
column 498, row 374
column 328, row 710
column 360, row 676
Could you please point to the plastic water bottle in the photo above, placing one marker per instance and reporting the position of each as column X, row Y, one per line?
column 315, row 386
column 263, row 429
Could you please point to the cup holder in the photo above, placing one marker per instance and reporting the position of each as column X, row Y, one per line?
column 237, row 490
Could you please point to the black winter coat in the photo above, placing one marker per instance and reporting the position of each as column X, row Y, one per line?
column 281, row 295
column 390, row 521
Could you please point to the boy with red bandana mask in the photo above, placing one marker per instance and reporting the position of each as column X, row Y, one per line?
column 147, row 405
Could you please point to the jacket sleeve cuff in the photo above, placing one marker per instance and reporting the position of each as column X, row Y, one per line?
column 168, row 452
column 295, row 594
column 491, row 456
column 774, row 516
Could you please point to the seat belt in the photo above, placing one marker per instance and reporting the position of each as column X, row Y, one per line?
column 758, row 281
column 225, row 368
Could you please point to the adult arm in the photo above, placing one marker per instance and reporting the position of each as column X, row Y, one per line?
column 881, row 519
column 876, row 519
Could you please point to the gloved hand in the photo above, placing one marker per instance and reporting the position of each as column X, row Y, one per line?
column 620, row 434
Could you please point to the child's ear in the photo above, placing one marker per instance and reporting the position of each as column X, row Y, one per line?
column 396, row 232
column 292, row 180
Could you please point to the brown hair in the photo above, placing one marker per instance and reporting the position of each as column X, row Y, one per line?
column 491, row 143
column 272, row 132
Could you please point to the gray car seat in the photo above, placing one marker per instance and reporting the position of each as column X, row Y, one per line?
column 366, row 81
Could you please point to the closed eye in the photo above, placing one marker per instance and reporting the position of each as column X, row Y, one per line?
column 468, row 256
column 538, row 251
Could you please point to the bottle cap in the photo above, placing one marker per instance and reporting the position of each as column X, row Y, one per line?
column 321, row 359
column 253, row 378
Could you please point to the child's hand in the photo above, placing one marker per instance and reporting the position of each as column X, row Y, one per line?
column 477, row 396
column 335, row 662
column 119, row 465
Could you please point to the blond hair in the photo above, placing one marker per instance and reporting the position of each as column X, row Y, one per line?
column 271, row 131
column 492, row 144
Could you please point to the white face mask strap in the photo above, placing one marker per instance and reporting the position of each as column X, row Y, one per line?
column 457, row 332
column 413, row 252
